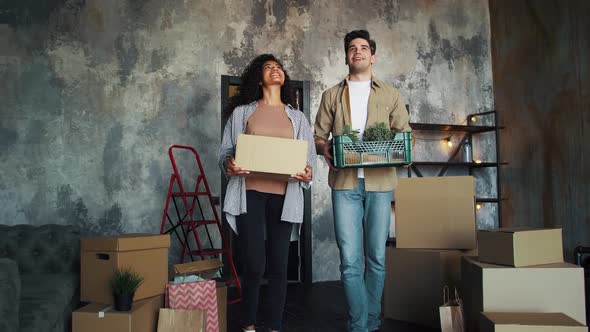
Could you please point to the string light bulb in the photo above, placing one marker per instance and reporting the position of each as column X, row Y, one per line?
column 478, row 206
column 474, row 118
column 449, row 142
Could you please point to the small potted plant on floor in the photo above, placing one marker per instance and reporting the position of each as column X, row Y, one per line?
column 124, row 283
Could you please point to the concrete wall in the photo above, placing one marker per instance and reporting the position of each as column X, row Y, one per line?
column 541, row 57
column 94, row 92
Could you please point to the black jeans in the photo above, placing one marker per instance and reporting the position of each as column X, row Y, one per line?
column 264, row 212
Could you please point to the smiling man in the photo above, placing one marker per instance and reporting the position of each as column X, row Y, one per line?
column 361, row 198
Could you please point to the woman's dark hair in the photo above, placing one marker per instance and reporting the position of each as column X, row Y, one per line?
column 250, row 89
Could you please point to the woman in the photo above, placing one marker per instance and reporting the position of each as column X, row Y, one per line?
column 258, row 206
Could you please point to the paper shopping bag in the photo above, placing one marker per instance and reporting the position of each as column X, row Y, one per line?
column 451, row 313
column 195, row 295
column 180, row 320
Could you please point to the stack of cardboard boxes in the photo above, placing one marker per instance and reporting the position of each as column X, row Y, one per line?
column 100, row 258
column 435, row 227
column 520, row 283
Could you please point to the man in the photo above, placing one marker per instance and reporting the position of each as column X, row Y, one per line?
column 361, row 198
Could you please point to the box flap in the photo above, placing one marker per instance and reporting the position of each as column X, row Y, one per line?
column 206, row 267
column 534, row 319
column 125, row 242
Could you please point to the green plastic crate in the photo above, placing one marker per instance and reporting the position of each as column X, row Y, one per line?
column 395, row 152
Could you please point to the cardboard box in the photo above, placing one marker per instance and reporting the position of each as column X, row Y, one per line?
column 529, row 322
column 146, row 254
column 436, row 213
column 271, row 156
column 206, row 269
column 96, row 317
column 542, row 288
column 520, row 246
column 414, row 280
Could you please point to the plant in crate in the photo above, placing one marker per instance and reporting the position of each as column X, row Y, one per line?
column 353, row 134
column 379, row 131
column 380, row 146
column 124, row 283
column 381, row 135
column 350, row 153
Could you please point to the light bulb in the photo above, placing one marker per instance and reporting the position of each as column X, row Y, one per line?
column 449, row 143
column 478, row 206
column 478, row 161
column 473, row 119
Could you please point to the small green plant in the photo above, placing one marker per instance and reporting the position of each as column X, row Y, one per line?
column 379, row 131
column 353, row 134
column 125, row 281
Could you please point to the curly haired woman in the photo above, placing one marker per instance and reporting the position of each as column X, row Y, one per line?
column 256, row 206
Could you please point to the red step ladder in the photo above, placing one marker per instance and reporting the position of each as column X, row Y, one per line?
column 187, row 223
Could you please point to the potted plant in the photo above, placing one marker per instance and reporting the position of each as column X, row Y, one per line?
column 124, row 283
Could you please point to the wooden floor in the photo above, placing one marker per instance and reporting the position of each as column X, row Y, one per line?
column 321, row 307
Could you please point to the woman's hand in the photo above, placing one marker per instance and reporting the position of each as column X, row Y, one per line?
column 232, row 170
column 304, row 177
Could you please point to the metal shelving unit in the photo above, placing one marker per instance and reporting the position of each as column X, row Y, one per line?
column 469, row 131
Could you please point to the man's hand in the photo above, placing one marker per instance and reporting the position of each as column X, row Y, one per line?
column 232, row 170
column 304, row 177
column 327, row 152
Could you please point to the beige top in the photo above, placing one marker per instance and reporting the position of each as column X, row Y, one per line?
column 270, row 121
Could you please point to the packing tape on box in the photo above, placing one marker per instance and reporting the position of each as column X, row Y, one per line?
column 101, row 312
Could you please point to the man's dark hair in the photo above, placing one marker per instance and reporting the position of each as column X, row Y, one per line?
column 364, row 34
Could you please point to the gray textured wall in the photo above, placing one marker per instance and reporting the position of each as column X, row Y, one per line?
column 541, row 52
column 94, row 92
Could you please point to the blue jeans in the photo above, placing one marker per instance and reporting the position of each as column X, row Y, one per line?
column 362, row 217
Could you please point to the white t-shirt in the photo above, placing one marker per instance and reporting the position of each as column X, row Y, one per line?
column 359, row 99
